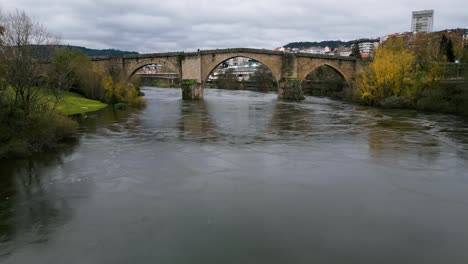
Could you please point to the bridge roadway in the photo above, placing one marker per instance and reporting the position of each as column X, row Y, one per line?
column 194, row 68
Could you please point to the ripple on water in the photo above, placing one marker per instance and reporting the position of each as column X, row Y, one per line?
column 243, row 171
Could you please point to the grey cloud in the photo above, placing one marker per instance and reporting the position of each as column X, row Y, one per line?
column 156, row 26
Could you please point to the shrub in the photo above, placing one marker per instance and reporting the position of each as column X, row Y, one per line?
column 22, row 135
column 395, row 102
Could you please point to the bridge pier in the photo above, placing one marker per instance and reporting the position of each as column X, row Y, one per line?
column 192, row 90
column 290, row 89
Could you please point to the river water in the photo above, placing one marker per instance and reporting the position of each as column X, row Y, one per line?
column 243, row 178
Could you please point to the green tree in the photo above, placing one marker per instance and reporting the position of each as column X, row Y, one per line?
column 446, row 48
column 65, row 71
column 356, row 52
column 228, row 80
column 263, row 79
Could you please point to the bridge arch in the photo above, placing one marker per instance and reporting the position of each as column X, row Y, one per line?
column 324, row 82
column 134, row 67
column 272, row 64
column 330, row 65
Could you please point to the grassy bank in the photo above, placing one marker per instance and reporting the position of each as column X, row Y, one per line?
column 73, row 104
column 22, row 135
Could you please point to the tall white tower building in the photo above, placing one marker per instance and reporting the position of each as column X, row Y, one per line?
column 422, row 21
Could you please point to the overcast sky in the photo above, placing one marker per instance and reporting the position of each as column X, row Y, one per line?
column 186, row 25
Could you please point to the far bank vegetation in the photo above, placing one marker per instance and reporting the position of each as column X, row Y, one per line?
column 427, row 72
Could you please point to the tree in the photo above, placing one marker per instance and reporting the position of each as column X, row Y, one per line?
column 65, row 72
column 391, row 73
column 22, row 68
column 449, row 51
column 446, row 48
column 356, row 52
column 393, row 67
column 228, row 80
column 263, row 79
column 114, row 91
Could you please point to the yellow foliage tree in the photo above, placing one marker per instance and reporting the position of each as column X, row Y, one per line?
column 114, row 92
column 392, row 73
column 121, row 92
column 394, row 68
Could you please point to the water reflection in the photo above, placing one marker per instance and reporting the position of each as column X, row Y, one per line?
column 291, row 117
column 31, row 205
column 399, row 133
column 106, row 117
column 195, row 122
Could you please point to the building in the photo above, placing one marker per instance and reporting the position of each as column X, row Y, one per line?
column 237, row 61
column 316, row 50
column 343, row 51
column 242, row 67
column 422, row 21
column 366, row 46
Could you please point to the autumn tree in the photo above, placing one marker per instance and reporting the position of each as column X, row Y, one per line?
column 392, row 73
column 113, row 90
column 118, row 90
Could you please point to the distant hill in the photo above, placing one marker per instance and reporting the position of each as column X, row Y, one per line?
column 329, row 43
column 98, row 52
column 47, row 51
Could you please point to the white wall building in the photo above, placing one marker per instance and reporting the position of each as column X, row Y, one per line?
column 368, row 46
column 316, row 50
column 422, row 21
column 343, row 51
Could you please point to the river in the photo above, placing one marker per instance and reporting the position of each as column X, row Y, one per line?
column 243, row 178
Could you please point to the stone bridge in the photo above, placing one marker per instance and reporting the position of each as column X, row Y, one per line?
column 194, row 68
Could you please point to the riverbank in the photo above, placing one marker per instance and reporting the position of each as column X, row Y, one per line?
column 443, row 98
column 73, row 103
column 22, row 135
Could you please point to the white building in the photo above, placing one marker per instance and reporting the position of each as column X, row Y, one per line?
column 343, row 51
column 237, row 61
column 366, row 46
column 422, row 21
column 242, row 67
column 316, row 50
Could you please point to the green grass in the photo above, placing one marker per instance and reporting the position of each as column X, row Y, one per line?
column 73, row 104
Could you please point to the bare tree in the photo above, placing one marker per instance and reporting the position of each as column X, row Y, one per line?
column 24, row 42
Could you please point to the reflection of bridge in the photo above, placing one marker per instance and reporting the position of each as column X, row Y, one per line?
column 194, row 68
